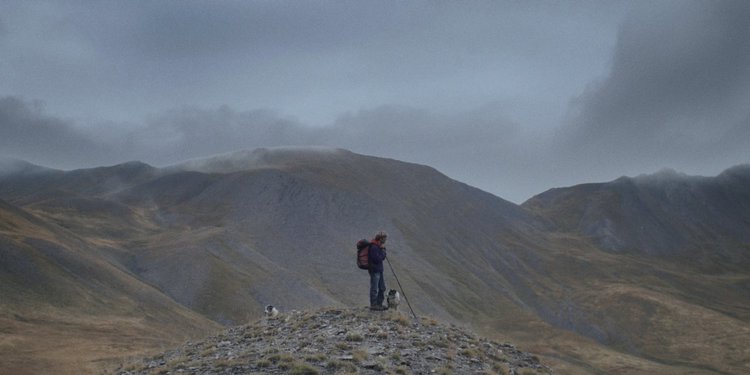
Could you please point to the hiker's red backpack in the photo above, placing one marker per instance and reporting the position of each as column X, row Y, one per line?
column 363, row 254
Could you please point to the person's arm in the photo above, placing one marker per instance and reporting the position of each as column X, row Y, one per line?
column 377, row 254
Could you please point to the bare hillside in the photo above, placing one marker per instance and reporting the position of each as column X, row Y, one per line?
column 638, row 275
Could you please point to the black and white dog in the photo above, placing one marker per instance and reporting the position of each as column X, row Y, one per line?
column 271, row 312
column 393, row 299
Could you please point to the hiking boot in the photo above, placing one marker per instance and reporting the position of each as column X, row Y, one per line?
column 378, row 308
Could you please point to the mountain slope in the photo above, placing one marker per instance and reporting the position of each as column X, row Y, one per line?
column 285, row 228
column 63, row 306
column 705, row 221
column 682, row 245
column 225, row 236
column 282, row 231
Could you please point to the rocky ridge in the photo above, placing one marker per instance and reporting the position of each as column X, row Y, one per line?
column 339, row 341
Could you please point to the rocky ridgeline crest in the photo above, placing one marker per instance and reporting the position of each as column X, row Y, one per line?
column 337, row 341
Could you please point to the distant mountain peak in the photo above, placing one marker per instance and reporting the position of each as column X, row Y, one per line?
column 742, row 171
column 134, row 164
column 128, row 168
column 664, row 175
column 666, row 172
column 17, row 166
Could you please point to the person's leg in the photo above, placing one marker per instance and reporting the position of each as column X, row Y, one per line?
column 375, row 280
column 381, row 290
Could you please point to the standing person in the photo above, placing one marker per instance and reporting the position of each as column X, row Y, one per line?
column 376, row 256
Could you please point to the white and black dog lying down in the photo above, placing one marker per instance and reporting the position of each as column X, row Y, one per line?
column 394, row 298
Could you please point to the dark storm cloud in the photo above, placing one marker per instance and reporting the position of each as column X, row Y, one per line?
column 677, row 92
column 26, row 132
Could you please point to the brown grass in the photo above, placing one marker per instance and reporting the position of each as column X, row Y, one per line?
column 303, row 369
column 72, row 345
column 359, row 355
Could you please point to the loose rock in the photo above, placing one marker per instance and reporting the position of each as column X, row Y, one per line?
column 340, row 341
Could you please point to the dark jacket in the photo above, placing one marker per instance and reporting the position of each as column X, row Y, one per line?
column 376, row 256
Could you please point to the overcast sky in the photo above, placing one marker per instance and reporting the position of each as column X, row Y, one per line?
column 514, row 97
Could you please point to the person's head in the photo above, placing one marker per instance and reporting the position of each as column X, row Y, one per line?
column 381, row 236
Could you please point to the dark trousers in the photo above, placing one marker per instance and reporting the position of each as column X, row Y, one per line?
column 377, row 288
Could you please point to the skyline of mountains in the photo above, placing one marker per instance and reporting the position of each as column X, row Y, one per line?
column 634, row 275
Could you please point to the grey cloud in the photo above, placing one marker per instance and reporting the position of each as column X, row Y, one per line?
column 314, row 60
column 186, row 133
column 678, row 86
column 388, row 130
column 253, row 33
column 691, row 59
column 198, row 29
column 424, row 136
column 27, row 132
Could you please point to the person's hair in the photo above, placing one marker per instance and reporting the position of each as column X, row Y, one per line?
column 381, row 235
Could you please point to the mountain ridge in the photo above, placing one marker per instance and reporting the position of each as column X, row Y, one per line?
column 222, row 243
column 674, row 211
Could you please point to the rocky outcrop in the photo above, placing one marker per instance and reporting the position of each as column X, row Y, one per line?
column 339, row 341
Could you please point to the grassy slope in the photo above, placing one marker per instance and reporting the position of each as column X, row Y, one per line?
column 681, row 305
column 66, row 309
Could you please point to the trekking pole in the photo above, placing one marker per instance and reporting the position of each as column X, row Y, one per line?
column 402, row 289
